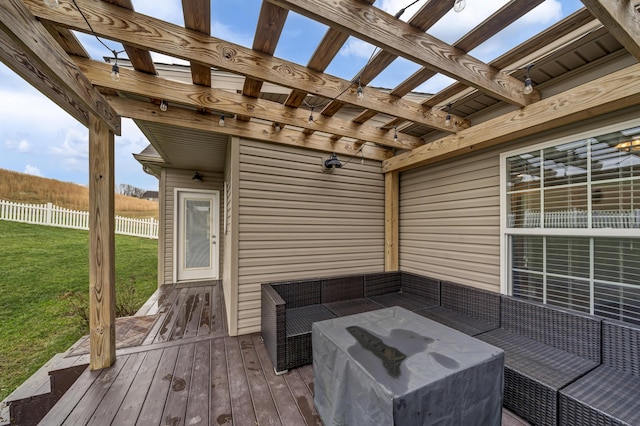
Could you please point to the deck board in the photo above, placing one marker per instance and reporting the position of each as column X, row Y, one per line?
column 241, row 404
column 175, row 408
column 134, row 399
column 198, row 404
column 261, row 396
column 220, row 403
column 193, row 320
column 208, row 379
column 110, row 404
column 283, row 399
column 151, row 413
column 96, row 393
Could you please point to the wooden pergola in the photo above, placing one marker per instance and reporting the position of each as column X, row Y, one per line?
column 37, row 42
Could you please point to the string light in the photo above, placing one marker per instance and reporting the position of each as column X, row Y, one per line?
column 359, row 91
column 395, row 133
column 459, row 5
column 221, row 121
column 528, row 84
column 311, row 116
column 447, row 120
column 276, row 127
column 115, row 70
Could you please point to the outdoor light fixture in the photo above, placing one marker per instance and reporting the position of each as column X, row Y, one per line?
column 164, row 105
column 115, row 71
column 459, row 5
column 332, row 162
column 276, row 127
column 528, row 85
column 221, row 121
column 197, row 177
column 311, row 116
column 447, row 120
column 359, row 91
column 53, row 4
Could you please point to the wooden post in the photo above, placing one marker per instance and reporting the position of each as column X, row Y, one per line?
column 391, row 208
column 102, row 295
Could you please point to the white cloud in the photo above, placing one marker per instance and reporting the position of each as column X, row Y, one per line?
column 170, row 11
column 22, row 145
column 74, row 149
column 229, row 33
column 356, row 48
column 547, row 13
column 32, row 170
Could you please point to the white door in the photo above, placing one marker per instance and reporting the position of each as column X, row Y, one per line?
column 197, row 235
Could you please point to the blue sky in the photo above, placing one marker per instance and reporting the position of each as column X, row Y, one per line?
column 39, row 138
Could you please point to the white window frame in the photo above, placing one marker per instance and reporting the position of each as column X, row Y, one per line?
column 505, row 232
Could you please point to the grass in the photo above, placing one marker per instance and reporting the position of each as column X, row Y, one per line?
column 40, row 265
column 28, row 189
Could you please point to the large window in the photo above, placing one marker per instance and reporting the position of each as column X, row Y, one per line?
column 571, row 223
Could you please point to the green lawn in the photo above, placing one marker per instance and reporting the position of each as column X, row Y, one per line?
column 38, row 266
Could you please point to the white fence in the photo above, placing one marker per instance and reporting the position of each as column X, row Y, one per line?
column 575, row 218
column 48, row 214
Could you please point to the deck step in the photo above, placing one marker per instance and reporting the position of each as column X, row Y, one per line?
column 32, row 400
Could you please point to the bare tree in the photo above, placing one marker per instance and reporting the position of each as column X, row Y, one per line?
column 130, row 190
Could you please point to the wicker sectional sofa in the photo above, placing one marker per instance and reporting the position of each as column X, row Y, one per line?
column 608, row 394
column 561, row 366
column 546, row 348
column 290, row 308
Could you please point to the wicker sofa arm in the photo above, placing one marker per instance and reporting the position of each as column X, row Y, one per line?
column 274, row 325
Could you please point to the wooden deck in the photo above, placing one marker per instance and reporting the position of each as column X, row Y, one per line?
column 188, row 371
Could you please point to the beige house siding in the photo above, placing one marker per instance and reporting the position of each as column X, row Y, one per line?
column 172, row 179
column 449, row 220
column 297, row 222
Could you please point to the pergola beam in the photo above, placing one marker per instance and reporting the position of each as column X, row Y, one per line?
column 603, row 95
column 180, row 117
column 221, row 100
column 142, row 31
column 622, row 20
column 385, row 31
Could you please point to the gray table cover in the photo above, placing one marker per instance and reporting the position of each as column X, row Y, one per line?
column 392, row 366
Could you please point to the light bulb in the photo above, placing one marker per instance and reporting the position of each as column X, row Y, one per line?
column 53, row 4
column 115, row 72
column 310, row 119
column 360, row 92
column 528, row 86
column 221, row 121
column 447, row 120
column 163, row 105
column 459, row 5
column 277, row 127
column 395, row 136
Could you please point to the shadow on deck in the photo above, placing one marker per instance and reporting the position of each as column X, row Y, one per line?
column 185, row 369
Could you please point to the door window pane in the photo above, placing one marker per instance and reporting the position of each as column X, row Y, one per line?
column 197, row 234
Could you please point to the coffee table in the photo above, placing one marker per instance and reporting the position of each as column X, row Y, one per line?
column 392, row 366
